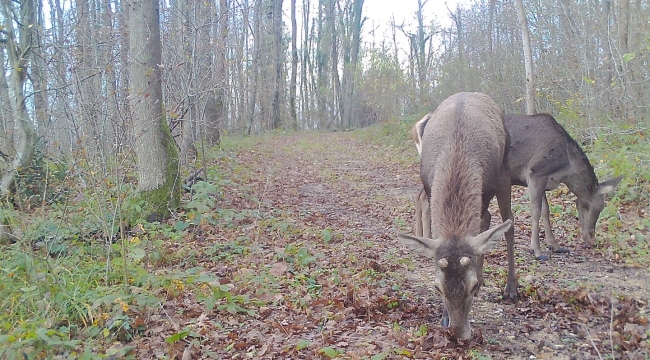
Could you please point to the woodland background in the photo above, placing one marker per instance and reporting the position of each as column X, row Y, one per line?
column 240, row 67
column 114, row 112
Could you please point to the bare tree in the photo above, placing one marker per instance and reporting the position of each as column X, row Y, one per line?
column 304, row 65
column 255, row 66
column 350, row 65
column 278, row 62
column 218, row 103
column 19, row 41
column 334, row 56
column 294, row 67
column 528, row 58
column 418, row 42
column 157, row 156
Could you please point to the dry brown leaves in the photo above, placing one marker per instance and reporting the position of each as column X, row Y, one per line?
column 326, row 277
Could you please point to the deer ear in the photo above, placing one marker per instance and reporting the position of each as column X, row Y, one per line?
column 421, row 245
column 608, row 185
column 484, row 241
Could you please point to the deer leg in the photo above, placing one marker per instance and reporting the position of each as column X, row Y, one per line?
column 485, row 220
column 485, row 224
column 503, row 198
column 546, row 220
column 445, row 316
column 536, row 192
column 418, row 214
column 426, row 214
column 479, row 270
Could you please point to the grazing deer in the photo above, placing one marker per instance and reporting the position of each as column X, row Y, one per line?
column 463, row 165
column 542, row 155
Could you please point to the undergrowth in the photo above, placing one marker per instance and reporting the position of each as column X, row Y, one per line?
column 84, row 269
column 624, row 151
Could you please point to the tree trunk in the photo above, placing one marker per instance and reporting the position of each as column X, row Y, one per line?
column 18, row 47
column 255, row 66
column 294, row 67
column 321, row 60
column 88, row 76
column 189, row 120
column 420, row 54
column 393, row 28
column 243, row 74
column 623, row 49
column 157, row 156
column 623, row 30
column 349, row 70
column 38, row 75
column 331, row 28
column 6, row 117
column 304, row 83
column 491, row 24
column 528, row 58
column 277, row 60
column 218, row 102
column 605, row 48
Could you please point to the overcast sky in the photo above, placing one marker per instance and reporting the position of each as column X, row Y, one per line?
column 379, row 13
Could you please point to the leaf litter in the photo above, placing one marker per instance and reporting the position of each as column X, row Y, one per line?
column 315, row 271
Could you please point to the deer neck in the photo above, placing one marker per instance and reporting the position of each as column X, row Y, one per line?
column 582, row 180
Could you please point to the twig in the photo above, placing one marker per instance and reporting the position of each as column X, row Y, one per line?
column 259, row 206
column 591, row 340
column 283, row 329
column 168, row 317
column 611, row 324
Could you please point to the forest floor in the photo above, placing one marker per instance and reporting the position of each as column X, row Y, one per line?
column 309, row 266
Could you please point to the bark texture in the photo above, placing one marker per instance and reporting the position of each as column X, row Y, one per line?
column 156, row 152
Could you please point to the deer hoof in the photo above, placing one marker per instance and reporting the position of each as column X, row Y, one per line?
column 445, row 317
column 511, row 290
column 538, row 257
column 562, row 251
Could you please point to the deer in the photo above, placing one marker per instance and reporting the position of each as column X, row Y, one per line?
column 542, row 155
column 463, row 166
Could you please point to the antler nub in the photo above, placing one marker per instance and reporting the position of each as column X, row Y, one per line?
column 443, row 263
column 464, row 261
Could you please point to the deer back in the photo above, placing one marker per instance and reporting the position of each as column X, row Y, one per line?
column 463, row 150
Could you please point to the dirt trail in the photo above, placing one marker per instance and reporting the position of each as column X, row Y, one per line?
column 342, row 281
column 341, row 178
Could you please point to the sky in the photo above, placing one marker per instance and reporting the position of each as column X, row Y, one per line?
column 379, row 13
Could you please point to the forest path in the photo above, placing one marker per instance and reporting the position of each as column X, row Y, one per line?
column 331, row 278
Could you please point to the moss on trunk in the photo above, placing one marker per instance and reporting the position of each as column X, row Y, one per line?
column 167, row 197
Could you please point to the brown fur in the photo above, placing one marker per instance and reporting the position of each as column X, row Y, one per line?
column 543, row 155
column 463, row 165
column 463, row 149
